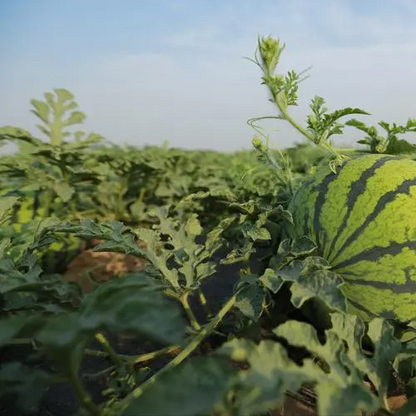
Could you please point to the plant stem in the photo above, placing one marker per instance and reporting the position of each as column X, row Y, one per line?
column 108, row 349
column 386, row 402
column 282, row 106
column 289, row 118
column 96, row 353
column 83, row 396
column 99, row 374
column 136, row 359
column 152, row 355
column 126, row 402
column 191, row 316
column 204, row 303
column 280, row 171
column 323, row 144
column 349, row 150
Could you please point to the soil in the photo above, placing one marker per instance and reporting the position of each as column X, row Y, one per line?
column 91, row 268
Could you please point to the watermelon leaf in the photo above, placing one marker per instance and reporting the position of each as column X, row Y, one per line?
column 136, row 305
column 386, row 347
column 250, row 299
column 205, row 379
column 344, row 376
column 390, row 143
column 27, row 385
column 310, row 278
column 271, row 373
column 322, row 125
column 322, row 284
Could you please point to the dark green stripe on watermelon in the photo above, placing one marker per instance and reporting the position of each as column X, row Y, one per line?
column 403, row 188
column 357, row 189
column 320, row 200
column 376, row 253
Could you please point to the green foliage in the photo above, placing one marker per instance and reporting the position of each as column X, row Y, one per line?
column 390, row 143
column 26, row 384
column 322, row 125
column 207, row 379
column 51, row 113
column 343, row 354
column 187, row 214
column 283, row 90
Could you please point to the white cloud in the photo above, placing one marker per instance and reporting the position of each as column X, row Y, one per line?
column 389, row 28
column 202, row 99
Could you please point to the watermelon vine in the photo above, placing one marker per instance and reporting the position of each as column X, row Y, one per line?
column 260, row 277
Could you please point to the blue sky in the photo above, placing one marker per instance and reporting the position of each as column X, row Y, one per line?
column 151, row 70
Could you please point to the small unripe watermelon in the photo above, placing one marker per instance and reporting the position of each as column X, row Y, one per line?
column 363, row 221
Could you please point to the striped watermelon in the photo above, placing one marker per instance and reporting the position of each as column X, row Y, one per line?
column 363, row 220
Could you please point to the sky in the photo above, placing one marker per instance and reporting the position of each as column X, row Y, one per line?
column 150, row 71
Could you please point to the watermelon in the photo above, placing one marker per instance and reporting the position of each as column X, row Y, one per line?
column 363, row 220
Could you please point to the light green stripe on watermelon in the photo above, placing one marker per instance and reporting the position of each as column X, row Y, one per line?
column 336, row 199
column 363, row 220
column 303, row 218
column 370, row 270
column 382, row 302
